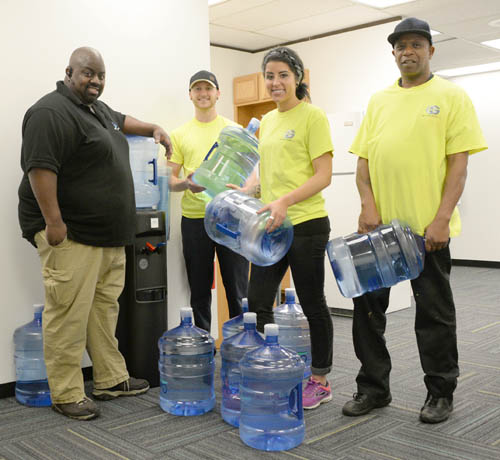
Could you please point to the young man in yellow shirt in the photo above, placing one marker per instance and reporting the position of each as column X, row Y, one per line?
column 413, row 149
column 191, row 143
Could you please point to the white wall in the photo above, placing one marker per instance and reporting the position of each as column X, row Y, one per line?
column 150, row 49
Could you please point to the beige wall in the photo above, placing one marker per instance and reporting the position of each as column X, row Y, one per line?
column 150, row 49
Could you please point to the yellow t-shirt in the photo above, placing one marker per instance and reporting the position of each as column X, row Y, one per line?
column 191, row 142
column 406, row 136
column 289, row 141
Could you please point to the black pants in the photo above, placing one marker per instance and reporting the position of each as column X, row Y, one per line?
column 306, row 259
column 435, row 328
column 199, row 251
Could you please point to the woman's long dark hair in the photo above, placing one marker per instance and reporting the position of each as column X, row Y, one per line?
column 292, row 59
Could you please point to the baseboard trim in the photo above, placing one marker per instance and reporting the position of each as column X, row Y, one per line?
column 7, row 390
column 340, row 312
column 475, row 263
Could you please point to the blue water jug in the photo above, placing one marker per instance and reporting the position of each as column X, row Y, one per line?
column 187, row 368
column 143, row 153
column 231, row 219
column 232, row 350
column 164, row 173
column 231, row 160
column 272, row 416
column 32, row 388
column 294, row 329
column 381, row 258
column 235, row 325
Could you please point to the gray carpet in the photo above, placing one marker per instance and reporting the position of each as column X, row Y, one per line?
column 136, row 428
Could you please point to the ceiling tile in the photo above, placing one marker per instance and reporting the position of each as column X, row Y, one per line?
column 459, row 53
column 233, row 7
column 326, row 22
column 241, row 39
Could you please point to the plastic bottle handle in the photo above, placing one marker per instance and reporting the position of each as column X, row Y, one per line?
column 154, row 181
column 210, row 151
column 226, row 231
column 295, row 402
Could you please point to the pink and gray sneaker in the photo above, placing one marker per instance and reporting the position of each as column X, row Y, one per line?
column 315, row 394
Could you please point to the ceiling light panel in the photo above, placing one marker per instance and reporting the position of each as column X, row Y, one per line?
column 383, row 3
column 490, row 67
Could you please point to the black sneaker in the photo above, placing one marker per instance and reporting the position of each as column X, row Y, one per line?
column 362, row 403
column 436, row 410
column 130, row 387
column 85, row 409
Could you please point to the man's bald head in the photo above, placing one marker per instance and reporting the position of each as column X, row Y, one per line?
column 85, row 74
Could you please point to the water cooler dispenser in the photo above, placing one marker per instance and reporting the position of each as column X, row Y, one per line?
column 143, row 302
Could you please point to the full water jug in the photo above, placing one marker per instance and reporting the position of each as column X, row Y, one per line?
column 231, row 160
column 186, row 368
column 32, row 388
column 381, row 258
column 294, row 329
column 231, row 219
column 232, row 350
column 143, row 162
column 272, row 416
column 235, row 325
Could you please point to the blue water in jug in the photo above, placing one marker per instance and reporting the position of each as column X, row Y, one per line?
column 232, row 350
column 231, row 219
column 235, row 325
column 164, row 173
column 381, row 258
column 231, row 160
column 272, row 416
column 143, row 153
column 294, row 329
column 32, row 388
column 187, row 368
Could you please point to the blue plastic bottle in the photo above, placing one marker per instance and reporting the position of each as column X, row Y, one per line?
column 187, row 368
column 231, row 160
column 231, row 219
column 32, row 388
column 164, row 173
column 294, row 329
column 235, row 325
column 381, row 258
column 232, row 350
column 272, row 416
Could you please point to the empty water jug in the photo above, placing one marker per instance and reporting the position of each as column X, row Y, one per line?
column 187, row 368
column 231, row 219
column 231, row 160
column 164, row 173
column 143, row 162
column 294, row 329
column 272, row 415
column 381, row 258
column 32, row 388
column 232, row 350
column 235, row 325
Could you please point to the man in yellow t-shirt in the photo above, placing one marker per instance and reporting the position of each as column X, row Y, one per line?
column 413, row 149
column 191, row 143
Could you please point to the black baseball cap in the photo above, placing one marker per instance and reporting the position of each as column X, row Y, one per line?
column 204, row 75
column 410, row 26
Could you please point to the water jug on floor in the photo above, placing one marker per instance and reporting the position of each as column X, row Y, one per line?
column 143, row 153
column 272, row 415
column 32, row 388
column 381, row 258
column 294, row 329
column 232, row 350
column 164, row 173
column 235, row 325
column 231, row 219
column 231, row 160
column 187, row 368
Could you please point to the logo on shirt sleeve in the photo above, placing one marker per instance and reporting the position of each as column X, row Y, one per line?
column 289, row 134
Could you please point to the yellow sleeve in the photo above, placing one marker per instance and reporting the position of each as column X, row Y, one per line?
column 177, row 155
column 360, row 144
column 319, row 139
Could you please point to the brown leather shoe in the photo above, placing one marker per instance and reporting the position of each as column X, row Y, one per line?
column 130, row 387
column 85, row 409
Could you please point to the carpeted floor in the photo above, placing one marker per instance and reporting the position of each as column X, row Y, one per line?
column 136, row 428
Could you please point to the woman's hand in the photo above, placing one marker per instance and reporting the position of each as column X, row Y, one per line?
column 278, row 209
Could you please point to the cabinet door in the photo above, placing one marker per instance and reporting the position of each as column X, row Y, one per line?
column 246, row 89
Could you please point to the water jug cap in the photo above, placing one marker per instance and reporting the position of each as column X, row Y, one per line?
column 271, row 330
column 38, row 307
column 253, row 126
column 250, row 317
column 186, row 312
column 244, row 304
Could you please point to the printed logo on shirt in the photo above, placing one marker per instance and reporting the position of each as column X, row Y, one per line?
column 115, row 126
column 289, row 134
column 432, row 110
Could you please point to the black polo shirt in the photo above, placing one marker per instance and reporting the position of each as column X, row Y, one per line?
column 90, row 155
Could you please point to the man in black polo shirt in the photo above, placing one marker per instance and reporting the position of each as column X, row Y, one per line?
column 77, row 206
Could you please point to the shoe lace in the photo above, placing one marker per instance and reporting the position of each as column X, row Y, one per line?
column 357, row 396
column 82, row 402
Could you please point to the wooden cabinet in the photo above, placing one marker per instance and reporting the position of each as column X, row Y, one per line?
column 246, row 89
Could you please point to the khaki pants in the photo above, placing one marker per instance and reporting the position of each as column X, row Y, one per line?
column 82, row 285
